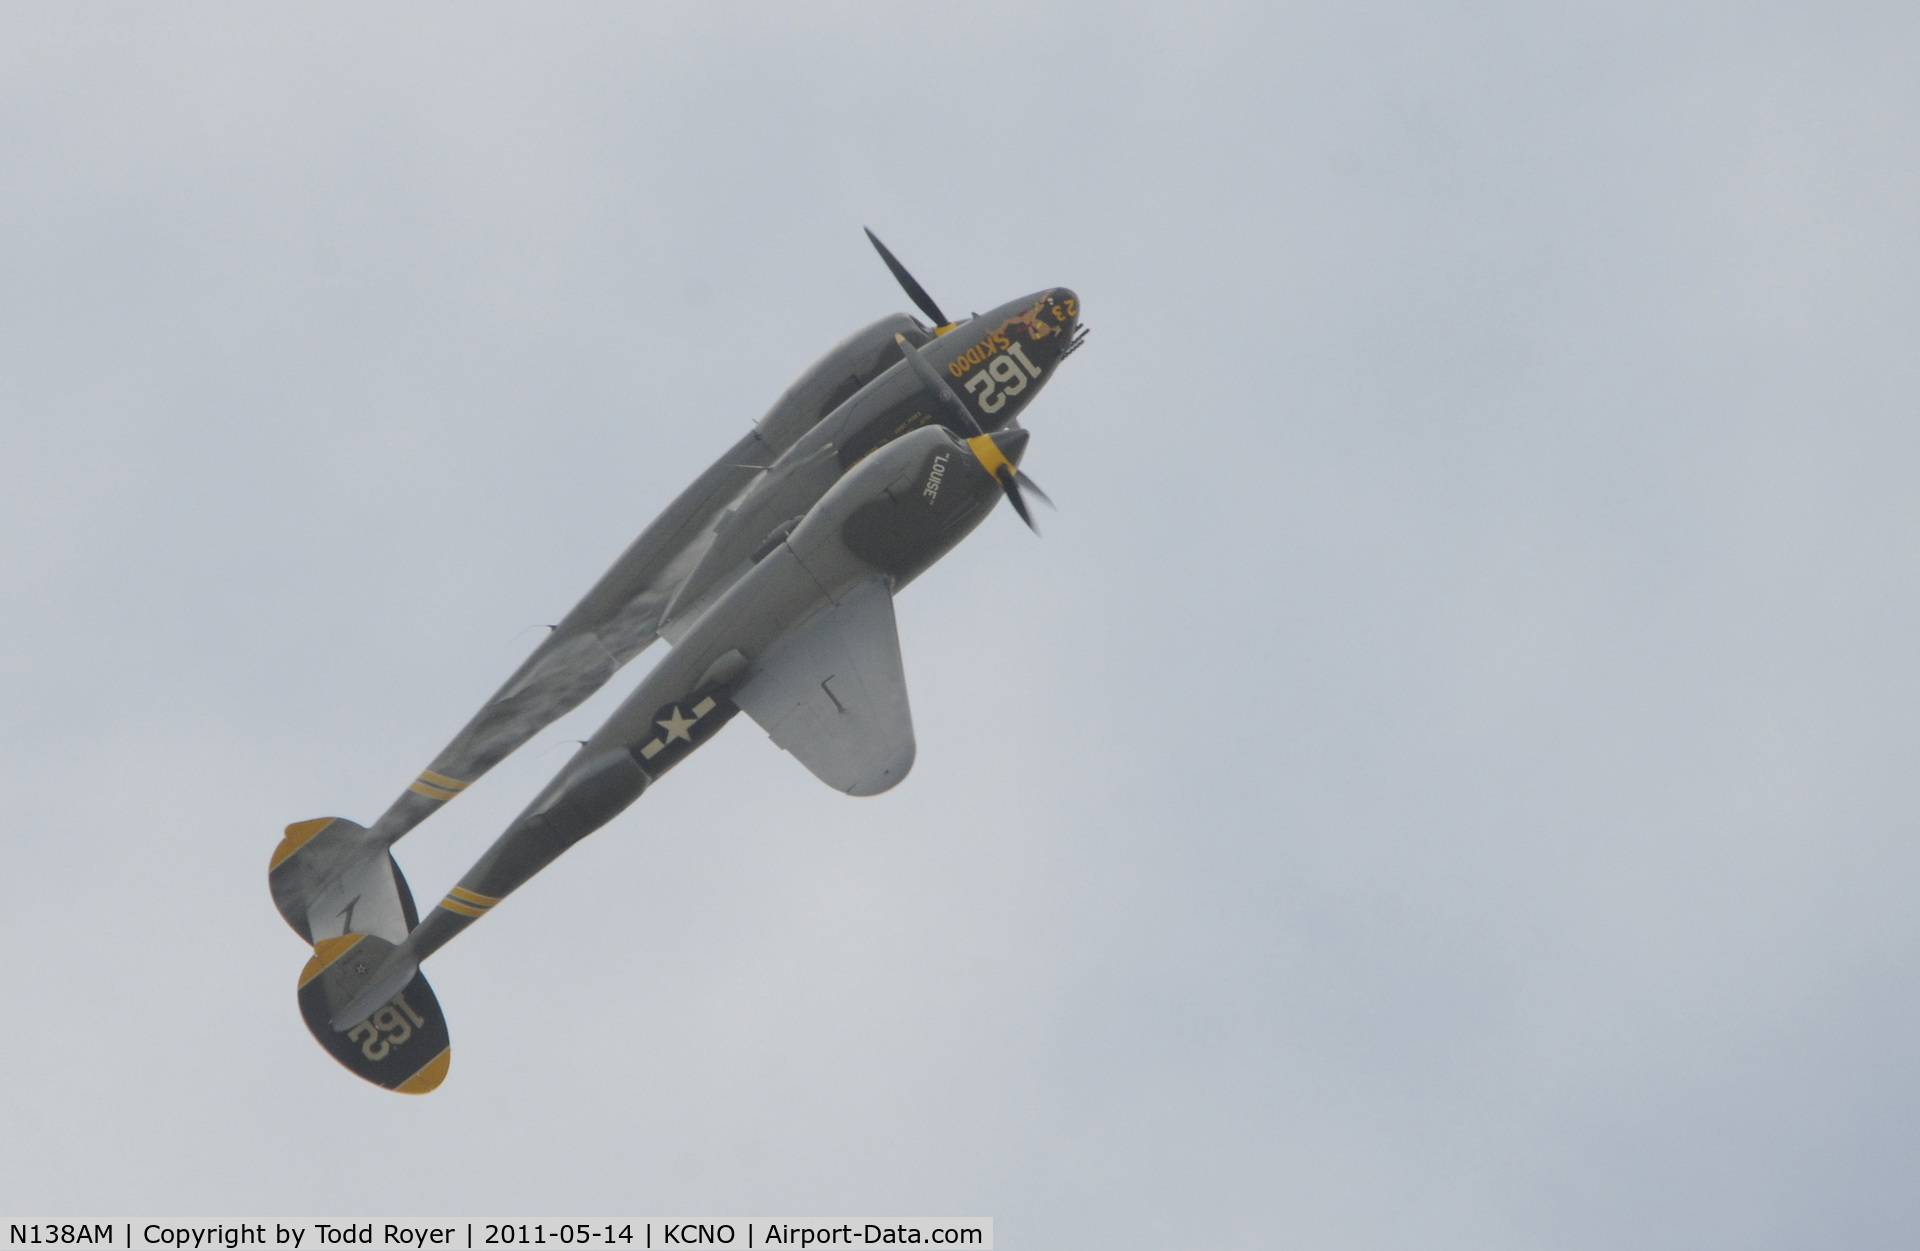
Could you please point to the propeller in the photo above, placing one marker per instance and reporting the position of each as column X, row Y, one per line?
column 915, row 292
column 984, row 448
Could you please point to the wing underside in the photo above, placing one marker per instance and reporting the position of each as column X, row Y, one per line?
column 833, row 693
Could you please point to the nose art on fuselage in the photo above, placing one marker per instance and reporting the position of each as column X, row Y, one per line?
column 999, row 360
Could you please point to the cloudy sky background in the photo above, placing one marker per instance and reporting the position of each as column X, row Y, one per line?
column 1443, row 780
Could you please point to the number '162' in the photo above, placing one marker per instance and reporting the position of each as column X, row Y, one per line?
column 1004, row 369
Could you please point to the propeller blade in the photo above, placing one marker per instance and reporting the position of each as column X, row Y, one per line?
column 915, row 292
column 1033, row 486
column 1010, row 483
column 930, row 378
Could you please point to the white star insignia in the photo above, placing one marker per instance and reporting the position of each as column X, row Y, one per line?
column 676, row 726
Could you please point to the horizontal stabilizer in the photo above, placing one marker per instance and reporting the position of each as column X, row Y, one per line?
column 402, row 1043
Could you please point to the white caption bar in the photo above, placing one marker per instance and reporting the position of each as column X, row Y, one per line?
column 975, row 1233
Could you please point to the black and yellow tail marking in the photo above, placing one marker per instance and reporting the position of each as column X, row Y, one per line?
column 298, row 835
column 402, row 1045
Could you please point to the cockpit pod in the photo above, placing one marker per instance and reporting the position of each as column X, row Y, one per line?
column 999, row 361
column 996, row 363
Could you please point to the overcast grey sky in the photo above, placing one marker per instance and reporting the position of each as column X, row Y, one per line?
column 1443, row 780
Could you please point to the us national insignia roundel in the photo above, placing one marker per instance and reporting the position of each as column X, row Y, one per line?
column 682, row 726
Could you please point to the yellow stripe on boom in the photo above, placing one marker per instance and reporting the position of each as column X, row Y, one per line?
column 474, row 897
column 463, row 908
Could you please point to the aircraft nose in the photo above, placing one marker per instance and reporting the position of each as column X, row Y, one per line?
column 1056, row 322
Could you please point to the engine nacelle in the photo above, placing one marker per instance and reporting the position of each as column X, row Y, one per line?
column 901, row 509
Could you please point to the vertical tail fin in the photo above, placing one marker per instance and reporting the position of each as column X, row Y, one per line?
column 340, row 890
column 330, row 877
column 402, row 1044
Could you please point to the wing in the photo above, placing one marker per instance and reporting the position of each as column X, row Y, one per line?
column 833, row 693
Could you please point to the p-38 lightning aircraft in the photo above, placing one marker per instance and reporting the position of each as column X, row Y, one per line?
column 771, row 577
